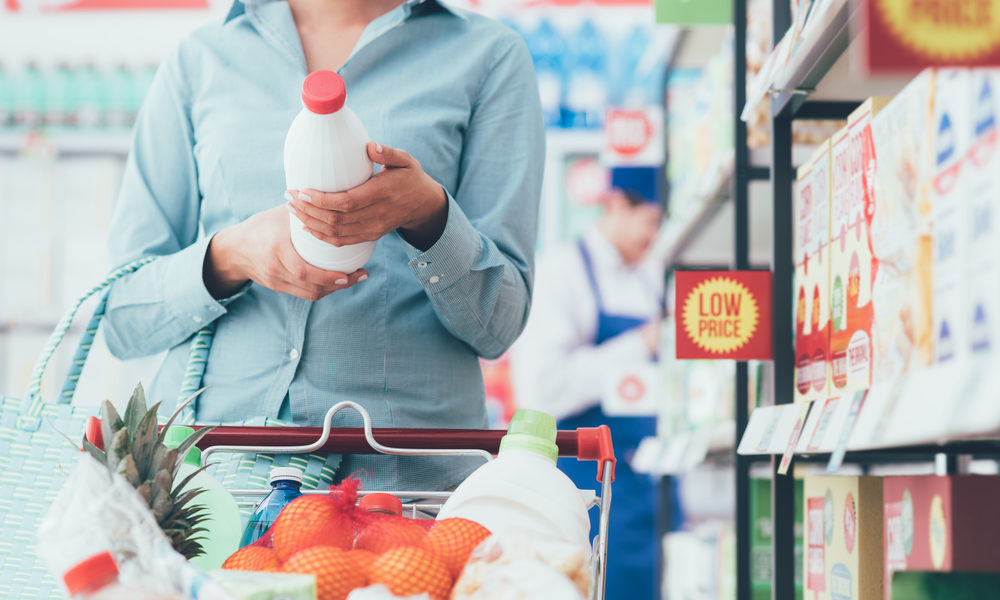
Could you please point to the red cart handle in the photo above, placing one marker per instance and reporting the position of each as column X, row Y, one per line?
column 586, row 443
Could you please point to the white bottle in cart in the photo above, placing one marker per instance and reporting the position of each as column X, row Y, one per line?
column 523, row 489
column 326, row 150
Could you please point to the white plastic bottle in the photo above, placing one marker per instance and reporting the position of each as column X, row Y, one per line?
column 326, row 150
column 523, row 489
column 223, row 527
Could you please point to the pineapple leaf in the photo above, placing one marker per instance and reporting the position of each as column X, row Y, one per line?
column 182, row 500
column 135, row 410
column 95, row 451
column 162, row 507
column 177, row 412
column 110, row 422
column 146, row 492
column 180, row 486
column 189, row 441
column 117, row 448
column 128, row 469
column 144, row 442
column 164, row 459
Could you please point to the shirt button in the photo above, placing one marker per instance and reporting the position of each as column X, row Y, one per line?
column 293, row 354
column 422, row 264
column 213, row 308
column 435, row 279
column 196, row 318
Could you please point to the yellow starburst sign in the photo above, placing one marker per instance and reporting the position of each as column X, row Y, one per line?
column 723, row 314
column 919, row 33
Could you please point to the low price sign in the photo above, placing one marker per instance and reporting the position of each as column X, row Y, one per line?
column 723, row 314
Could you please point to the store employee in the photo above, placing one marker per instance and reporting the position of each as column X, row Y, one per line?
column 597, row 306
column 452, row 101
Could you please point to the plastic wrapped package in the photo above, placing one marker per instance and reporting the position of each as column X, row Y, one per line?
column 524, row 565
column 97, row 510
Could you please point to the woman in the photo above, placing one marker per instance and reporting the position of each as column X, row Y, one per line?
column 451, row 101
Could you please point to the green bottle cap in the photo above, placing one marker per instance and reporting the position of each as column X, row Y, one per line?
column 177, row 434
column 531, row 430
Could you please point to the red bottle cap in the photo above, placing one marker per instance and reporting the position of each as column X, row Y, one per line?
column 382, row 503
column 323, row 92
column 92, row 574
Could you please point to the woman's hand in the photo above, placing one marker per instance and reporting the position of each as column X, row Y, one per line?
column 260, row 250
column 400, row 196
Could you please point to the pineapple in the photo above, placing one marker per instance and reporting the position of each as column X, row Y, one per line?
column 134, row 450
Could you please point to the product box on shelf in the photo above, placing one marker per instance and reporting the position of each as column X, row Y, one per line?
column 948, row 209
column 900, row 228
column 812, row 277
column 760, row 538
column 934, row 585
column 940, row 524
column 851, row 205
column 843, row 538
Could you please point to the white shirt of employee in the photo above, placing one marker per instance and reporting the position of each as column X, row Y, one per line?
column 556, row 367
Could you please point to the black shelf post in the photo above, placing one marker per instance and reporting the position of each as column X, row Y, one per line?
column 741, row 260
column 782, row 265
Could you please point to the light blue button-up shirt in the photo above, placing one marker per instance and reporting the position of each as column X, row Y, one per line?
column 455, row 90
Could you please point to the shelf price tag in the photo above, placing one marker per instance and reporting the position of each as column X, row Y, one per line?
column 723, row 315
column 793, row 439
column 902, row 34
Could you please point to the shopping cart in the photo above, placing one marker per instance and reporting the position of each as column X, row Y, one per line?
column 584, row 444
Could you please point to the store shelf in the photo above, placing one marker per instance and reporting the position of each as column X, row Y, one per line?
column 111, row 143
column 685, row 451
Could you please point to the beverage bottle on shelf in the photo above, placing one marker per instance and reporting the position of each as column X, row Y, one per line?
column 29, row 96
column 122, row 98
column 92, row 96
column 60, row 93
column 222, row 527
column 587, row 86
column 6, row 97
column 97, row 579
column 627, row 90
column 326, row 150
column 548, row 52
column 285, row 484
column 523, row 489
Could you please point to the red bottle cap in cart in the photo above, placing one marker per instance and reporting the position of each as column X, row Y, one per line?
column 323, row 92
column 91, row 575
column 380, row 502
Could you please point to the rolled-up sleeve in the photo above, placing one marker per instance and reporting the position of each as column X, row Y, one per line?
column 157, row 214
column 478, row 274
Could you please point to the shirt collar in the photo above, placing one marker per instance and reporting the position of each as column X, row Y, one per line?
column 603, row 251
column 411, row 8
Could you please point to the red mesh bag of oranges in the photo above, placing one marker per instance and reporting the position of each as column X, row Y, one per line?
column 347, row 545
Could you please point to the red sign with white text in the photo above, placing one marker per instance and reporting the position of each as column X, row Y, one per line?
column 723, row 314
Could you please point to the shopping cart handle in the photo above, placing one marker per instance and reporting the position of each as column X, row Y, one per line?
column 594, row 443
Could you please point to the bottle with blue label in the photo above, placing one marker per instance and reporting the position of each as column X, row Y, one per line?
column 628, row 89
column 548, row 52
column 285, row 484
column 6, row 97
column 588, row 82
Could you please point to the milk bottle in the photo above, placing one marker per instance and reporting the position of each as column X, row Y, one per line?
column 523, row 489
column 325, row 150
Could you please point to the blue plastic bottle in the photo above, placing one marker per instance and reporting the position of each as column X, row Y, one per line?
column 547, row 51
column 628, row 89
column 587, row 87
column 285, row 484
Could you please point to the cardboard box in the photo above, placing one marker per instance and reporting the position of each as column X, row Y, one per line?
column 940, row 524
column 900, row 230
column 949, row 212
column 843, row 538
column 812, row 277
column 761, row 557
column 851, row 273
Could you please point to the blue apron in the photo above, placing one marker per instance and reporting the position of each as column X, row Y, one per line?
column 633, row 535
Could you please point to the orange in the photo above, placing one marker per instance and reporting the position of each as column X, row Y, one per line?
column 363, row 559
column 310, row 521
column 386, row 534
column 336, row 572
column 252, row 558
column 453, row 540
column 408, row 571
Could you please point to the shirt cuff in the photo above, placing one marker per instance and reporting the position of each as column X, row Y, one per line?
column 452, row 256
column 185, row 291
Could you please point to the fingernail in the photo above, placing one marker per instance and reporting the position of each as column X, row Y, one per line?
column 289, row 198
column 378, row 147
column 362, row 278
column 341, row 282
column 305, row 198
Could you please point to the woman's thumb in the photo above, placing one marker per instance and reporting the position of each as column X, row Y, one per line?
column 387, row 156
